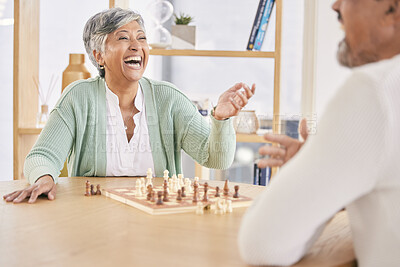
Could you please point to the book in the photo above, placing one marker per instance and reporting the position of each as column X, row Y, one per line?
column 261, row 176
column 256, row 24
column 263, row 25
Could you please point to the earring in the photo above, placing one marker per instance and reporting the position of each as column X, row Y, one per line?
column 101, row 67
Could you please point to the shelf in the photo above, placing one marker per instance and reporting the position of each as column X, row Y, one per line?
column 211, row 53
column 250, row 138
column 27, row 131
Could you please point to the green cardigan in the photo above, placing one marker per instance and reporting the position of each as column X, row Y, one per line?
column 76, row 130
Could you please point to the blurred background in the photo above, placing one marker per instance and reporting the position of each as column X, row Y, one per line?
column 220, row 25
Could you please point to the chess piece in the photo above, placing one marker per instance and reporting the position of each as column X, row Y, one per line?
column 153, row 196
column 188, row 185
column 220, row 206
column 236, row 195
column 149, row 191
column 180, row 180
column 195, row 192
column 149, row 181
column 174, row 184
column 199, row 209
column 217, row 194
column 179, row 197
column 165, row 199
column 149, row 173
column 183, row 191
column 166, row 172
column 205, row 197
column 226, row 188
column 143, row 182
column 229, row 208
column 98, row 192
column 166, row 186
column 87, row 193
column 92, row 190
column 138, row 188
column 159, row 198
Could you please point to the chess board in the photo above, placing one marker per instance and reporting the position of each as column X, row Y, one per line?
column 127, row 195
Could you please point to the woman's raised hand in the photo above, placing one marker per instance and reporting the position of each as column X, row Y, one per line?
column 233, row 100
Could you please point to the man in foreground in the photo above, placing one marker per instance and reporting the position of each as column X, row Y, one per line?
column 351, row 162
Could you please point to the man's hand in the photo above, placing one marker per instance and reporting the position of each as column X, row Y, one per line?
column 233, row 100
column 286, row 149
column 44, row 185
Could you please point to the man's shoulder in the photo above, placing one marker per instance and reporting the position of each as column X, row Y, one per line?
column 382, row 71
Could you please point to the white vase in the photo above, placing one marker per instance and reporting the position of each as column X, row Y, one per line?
column 183, row 37
column 246, row 122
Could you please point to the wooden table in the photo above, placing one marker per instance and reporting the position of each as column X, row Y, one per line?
column 75, row 230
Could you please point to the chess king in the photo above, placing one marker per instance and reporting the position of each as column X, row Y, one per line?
column 139, row 112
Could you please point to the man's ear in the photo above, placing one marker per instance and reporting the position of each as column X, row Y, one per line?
column 99, row 58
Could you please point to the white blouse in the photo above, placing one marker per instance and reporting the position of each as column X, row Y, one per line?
column 125, row 158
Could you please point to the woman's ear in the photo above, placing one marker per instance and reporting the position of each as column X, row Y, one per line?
column 99, row 58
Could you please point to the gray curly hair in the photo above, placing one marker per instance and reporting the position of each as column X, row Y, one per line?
column 103, row 23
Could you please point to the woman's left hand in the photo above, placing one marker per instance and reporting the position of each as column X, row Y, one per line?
column 233, row 100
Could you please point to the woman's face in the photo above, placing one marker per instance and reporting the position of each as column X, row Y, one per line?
column 126, row 53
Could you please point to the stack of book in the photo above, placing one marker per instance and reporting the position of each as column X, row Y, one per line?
column 260, row 24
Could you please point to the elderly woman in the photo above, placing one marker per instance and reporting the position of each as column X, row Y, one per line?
column 120, row 123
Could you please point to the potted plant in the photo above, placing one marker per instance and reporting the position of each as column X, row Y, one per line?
column 183, row 35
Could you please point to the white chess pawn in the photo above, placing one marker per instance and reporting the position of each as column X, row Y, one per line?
column 170, row 184
column 149, row 173
column 188, row 186
column 143, row 187
column 138, row 188
column 229, row 208
column 166, row 172
column 174, row 184
column 199, row 208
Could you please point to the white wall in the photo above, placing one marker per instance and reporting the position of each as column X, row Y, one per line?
column 6, row 99
column 329, row 74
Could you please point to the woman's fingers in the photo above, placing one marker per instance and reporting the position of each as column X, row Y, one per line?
column 52, row 194
column 249, row 92
column 10, row 197
column 243, row 99
column 10, row 194
column 24, row 193
column 235, row 104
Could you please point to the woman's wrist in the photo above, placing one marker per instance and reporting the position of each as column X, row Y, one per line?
column 215, row 116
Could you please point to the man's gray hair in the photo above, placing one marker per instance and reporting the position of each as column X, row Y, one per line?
column 103, row 23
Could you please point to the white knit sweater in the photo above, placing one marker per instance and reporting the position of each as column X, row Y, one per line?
column 352, row 161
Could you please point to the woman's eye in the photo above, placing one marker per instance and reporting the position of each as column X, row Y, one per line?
column 142, row 38
column 123, row 38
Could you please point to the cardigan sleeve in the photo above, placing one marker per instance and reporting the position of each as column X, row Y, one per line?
column 50, row 151
column 212, row 144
